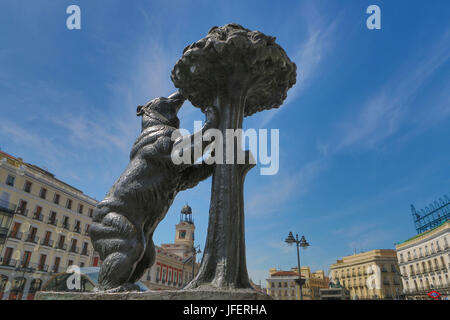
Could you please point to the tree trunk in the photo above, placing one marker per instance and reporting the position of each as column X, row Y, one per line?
column 224, row 263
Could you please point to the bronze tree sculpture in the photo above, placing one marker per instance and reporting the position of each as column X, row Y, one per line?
column 240, row 72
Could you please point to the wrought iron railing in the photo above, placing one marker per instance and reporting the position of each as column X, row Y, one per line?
column 15, row 235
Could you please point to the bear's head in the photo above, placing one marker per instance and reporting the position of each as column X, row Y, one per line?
column 163, row 110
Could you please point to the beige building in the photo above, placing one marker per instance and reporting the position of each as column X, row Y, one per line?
column 369, row 275
column 175, row 263
column 43, row 228
column 282, row 285
column 424, row 263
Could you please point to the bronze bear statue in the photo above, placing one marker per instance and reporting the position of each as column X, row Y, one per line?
column 124, row 222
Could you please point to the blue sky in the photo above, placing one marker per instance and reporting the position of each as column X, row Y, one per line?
column 363, row 134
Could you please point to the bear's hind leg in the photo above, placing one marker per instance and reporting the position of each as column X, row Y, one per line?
column 120, row 246
column 146, row 262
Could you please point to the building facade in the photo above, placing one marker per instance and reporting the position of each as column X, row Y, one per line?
column 175, row 263
column 369, row 275
column 424, row 262
column 282, row 285
column 43, row 228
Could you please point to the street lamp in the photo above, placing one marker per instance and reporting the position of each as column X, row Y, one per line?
column 300, row 243
column 195, row 250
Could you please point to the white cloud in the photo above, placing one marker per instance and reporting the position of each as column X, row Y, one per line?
column 269, row 198
column 382, row 115
column 320, row 38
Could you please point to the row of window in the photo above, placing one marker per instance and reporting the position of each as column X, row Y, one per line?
column 422, row 285
column 423, row 251
column 426, row 266
column 40, row 266
column 37, row 215
column 32, row 237
column 169, row 276
column 281, row 284
column 43, row 194
column 361, row 282
column 364, row 271
column 18, row 286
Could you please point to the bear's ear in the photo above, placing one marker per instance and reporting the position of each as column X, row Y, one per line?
column 139, row 110
column 175, row 122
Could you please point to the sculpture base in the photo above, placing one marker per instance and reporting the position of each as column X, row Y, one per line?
column 157, row 295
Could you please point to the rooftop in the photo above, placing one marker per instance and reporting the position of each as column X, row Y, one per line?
column 17, row 162
column 359, row 257
column 423, row 234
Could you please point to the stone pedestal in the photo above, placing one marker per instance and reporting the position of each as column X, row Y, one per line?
column 157, row 295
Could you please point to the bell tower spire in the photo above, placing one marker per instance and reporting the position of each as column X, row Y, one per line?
column 185, row 229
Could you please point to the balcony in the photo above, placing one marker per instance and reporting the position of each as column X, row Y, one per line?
column 7, row 206
column 65, row 226
column 42, row 267
column 47, row 243
column 52, row 221
column 85, row 252
column 32, row 238
column 3, row 233
column 29, row 267
column 9, row 263
column 55, row 269
column 38, row 217
column 22, row 211
column 74, row 249
column 86, row 233
column 61, row 246
column 77, row 229
column 15, row 235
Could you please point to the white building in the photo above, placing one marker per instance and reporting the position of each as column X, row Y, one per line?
column 424, row 262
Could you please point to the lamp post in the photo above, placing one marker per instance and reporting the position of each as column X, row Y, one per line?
column 300, row 243
column 195, row 250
